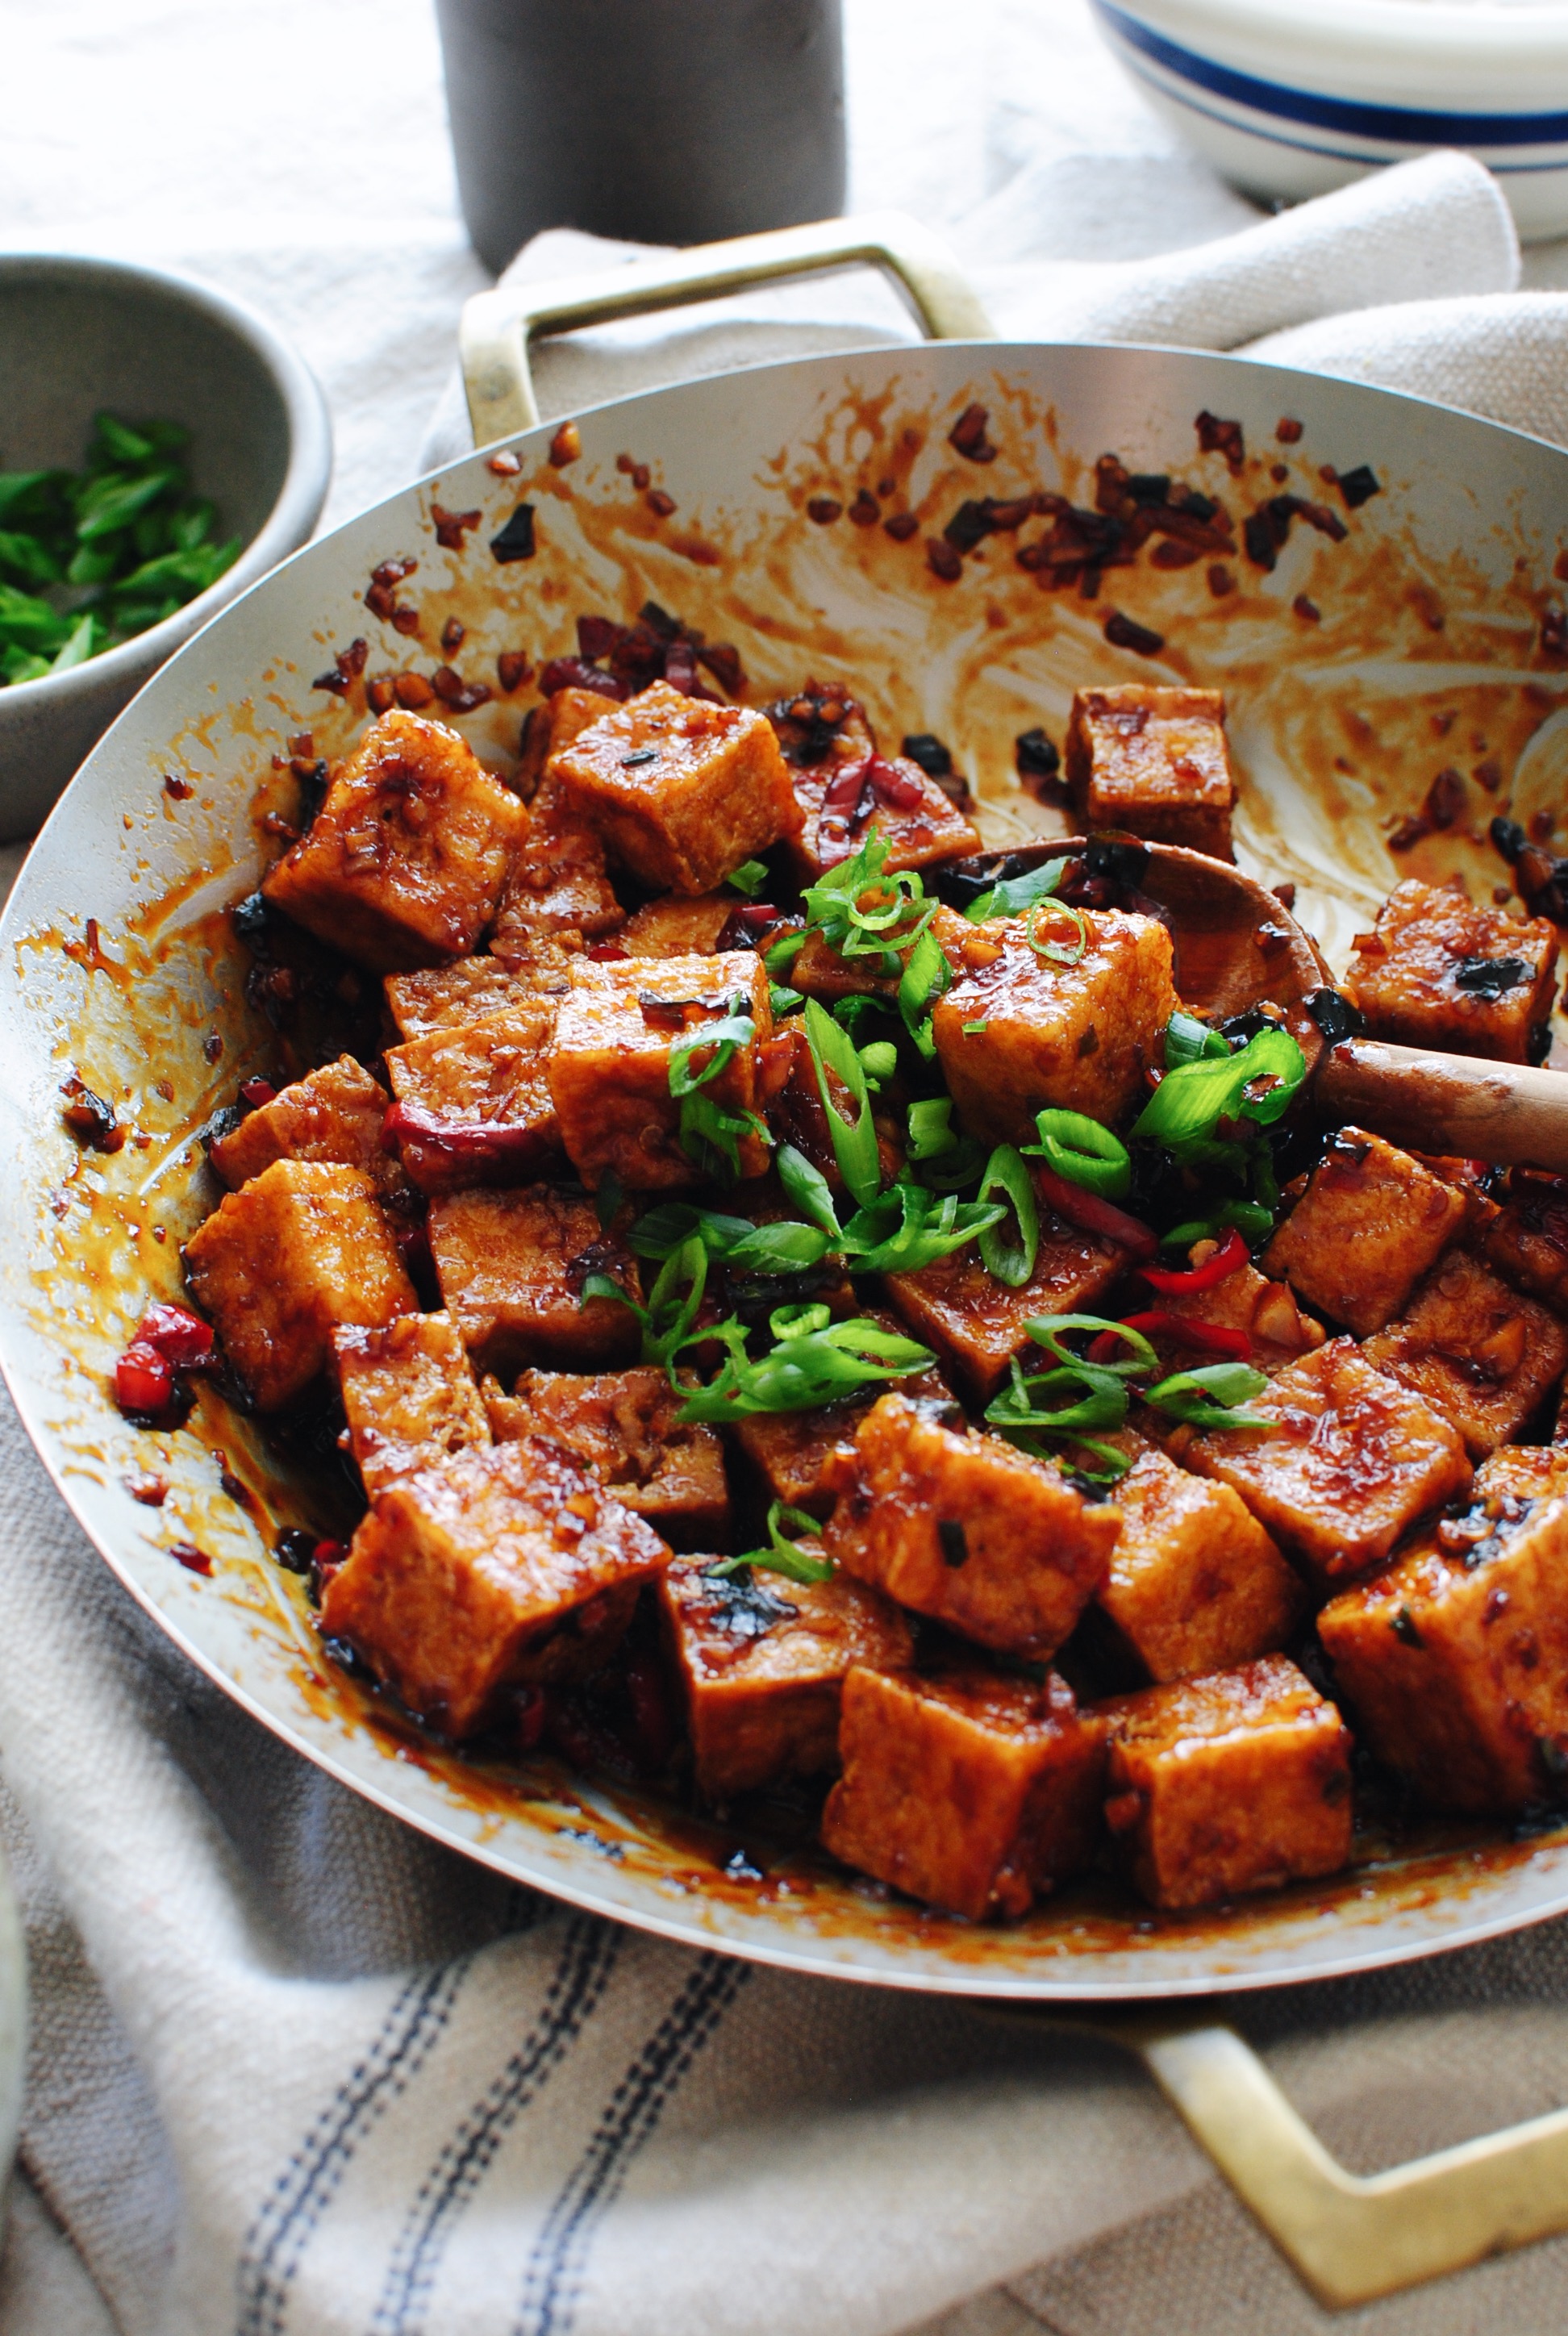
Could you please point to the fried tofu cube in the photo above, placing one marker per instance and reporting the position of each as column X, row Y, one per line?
column 1265, row 1311
column 1222, row 1785
column 501, row 1567
column 1019, row 1031
column 977, row 1324
column 408, row 1396
column 847, row 792
column 841, row 806
column 762, row 1664
column 609, row 1067
column 1153, row 763
column 1371, row 1222
column 681, row 790
column 675, row 927
column 622, row 1425
column 304, row 1248
column 473, row 1101
column 797, row 1454
column 403, row 864
column 1455, row 1658
column 1196, row 1584
column 1473, row 1349
column 974, row 1793
column 1439, row 971
column 1527, row 1238
column 447, row 995
column 1349, row 1461
column 512, row 1267
column 335, row 1113
column 558, row 883
column 964, row 1528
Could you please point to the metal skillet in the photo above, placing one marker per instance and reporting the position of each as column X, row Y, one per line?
column 1357, row 666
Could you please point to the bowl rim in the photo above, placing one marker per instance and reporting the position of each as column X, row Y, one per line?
column 289, row 523
column 1358, row 41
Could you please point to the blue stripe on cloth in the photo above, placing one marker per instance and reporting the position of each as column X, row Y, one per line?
column 588, row 1957
column 1406, row 125
column 287, row 2216
column 553, row 2278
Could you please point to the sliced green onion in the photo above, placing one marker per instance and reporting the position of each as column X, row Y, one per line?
column 799, row 1321
column 1048, row 1330
column 802, row 1373
column 855, row 1141
column 1025, row 1414
column 907, row 1228
column 927, row 976
column 808, row 1189
column 782, row 999
column 1058, row 952
column 784, row 953
column 1207, row 1397
column 780, row 1555
column 1085, row 1153
column 1190, row 1102
column 749, row 877
column 1011, row 1262
column 880, row 1060
column 1016, row 895
column 711, row 1137
column 667, row 1317
column 726, row 1038
column 78, row 647
column 899, row 914
column 608, row 1199
column 930, row 1129
column 1188, row 1040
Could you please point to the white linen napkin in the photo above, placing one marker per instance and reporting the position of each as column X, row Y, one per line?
column 1434, row 235
column 295, row 2071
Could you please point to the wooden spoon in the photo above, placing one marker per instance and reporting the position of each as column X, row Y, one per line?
column 1237, row 947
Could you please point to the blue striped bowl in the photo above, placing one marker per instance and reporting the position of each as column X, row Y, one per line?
column 1289, row 99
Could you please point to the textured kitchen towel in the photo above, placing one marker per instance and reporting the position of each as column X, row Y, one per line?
column 1435, row 232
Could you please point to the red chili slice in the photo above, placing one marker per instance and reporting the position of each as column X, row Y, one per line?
column 181, row 1338
column 895, row 787
column 483, row 1142
column 1208, row 1338
column 1096, row 1216
column 1230, row 1258
column 143, row 1380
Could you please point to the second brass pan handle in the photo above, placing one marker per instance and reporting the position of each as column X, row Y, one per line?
column 498, row 327
column 1349, row 2237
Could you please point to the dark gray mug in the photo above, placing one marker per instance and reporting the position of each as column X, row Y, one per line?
column 659, row 120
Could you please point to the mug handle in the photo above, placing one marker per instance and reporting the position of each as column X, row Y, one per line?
column 498, row 327
column 1349, row 2237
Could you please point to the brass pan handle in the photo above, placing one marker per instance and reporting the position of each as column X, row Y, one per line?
column 1349, row 2237
column 498, row 327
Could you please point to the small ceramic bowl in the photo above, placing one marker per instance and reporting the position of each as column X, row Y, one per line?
column 13, row 2032
column 1290, row 98
column 78, row 334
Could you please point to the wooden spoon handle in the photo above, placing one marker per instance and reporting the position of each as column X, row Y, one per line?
column 1506, row 1113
